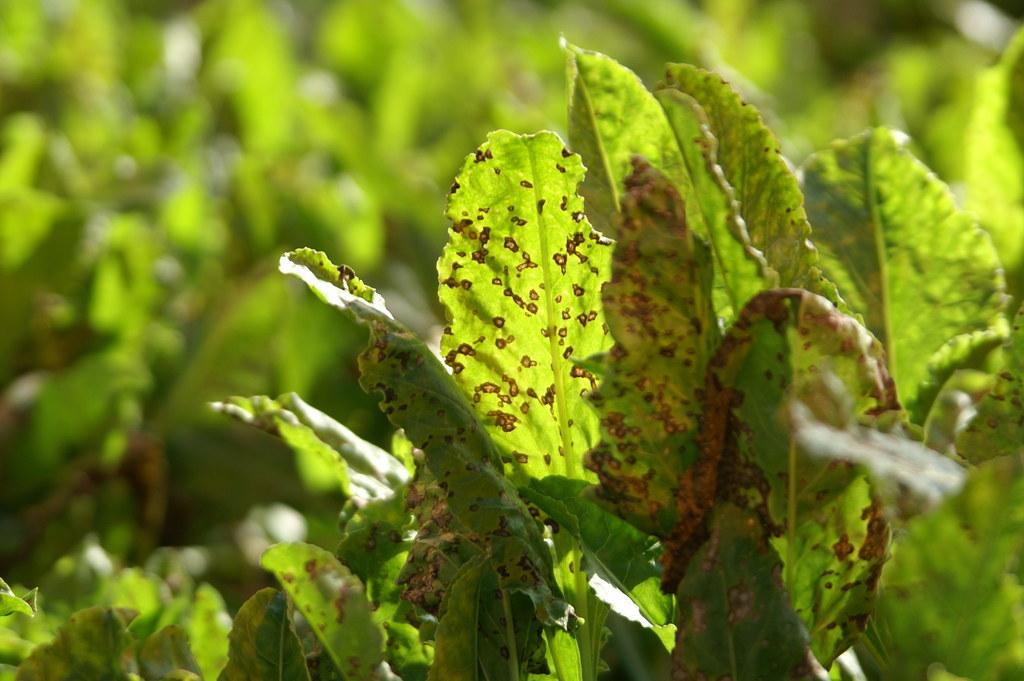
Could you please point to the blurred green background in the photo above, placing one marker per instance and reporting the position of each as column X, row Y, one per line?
column 157, row 157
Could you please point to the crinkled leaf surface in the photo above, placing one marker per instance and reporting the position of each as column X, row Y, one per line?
column 463, row 491
column 735, row 620
column 994, row 159
column 166, row 652
column 88, row 646
column 521, row 281
column 659, row 312
column 10, row 604
column 711, row 208
column 334, row 602
column 770, row 202
column 623, row 560
column 612, row 117
column 952, row 593
column 918, row 269
column 998, row 427
column 819, row 517
column 263, row 643
column 364, row 470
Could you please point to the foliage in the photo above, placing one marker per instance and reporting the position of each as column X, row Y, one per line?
column 679, row 384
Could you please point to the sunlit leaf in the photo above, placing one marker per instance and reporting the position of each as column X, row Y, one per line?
column 612, row 118
column 994, row 159
column 208, row 626
column 903, row 255
column 997, row 428
column 263, row 643
column 769, row 199
column 10, row 604
column 521, row 280
column 334, row 603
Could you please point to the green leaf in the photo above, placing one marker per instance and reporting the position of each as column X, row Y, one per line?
column 263, row 643
column 208, row 625
column 88, row 646
column 620, row 561
column 770, row 202
column 612, row 118
column 994, row 159
column 334, row 602
column 952, row 593
column 465, row 471
column 166, row 652
column 734, row 616
column 917, row 268
column 997, row 428
column 820, row 517
column 659, row 312
column 711, row 208
column 521, row 281
column 365, row 471
column 10, row 604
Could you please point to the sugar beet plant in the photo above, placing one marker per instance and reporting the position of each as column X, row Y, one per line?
column 767, row 415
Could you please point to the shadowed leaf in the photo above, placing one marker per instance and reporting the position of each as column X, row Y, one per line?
column 263, row 643
column 90, row 645
column 165, row 653
column 659, row 312
column 735, row 620
column 918, row 269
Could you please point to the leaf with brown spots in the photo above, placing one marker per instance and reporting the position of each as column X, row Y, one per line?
column 998, row 427
column 819, row 514
column 735, row 619
column 659, row 312
column 334, row 603
column 521, row 281
column 748, row 153
column 470, row 494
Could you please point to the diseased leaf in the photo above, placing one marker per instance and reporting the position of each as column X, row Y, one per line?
column 620, row 561
column 521, row 281
column 88, row 646
column 735, row 620
column 263, row 643
column 997, row 428
column 612, row 118
column 166, row 652
column 10, row 604
column 994, row 159
column 770, row 202
column 819, row 517
column 365, row 471
column 334, row 602
column 712, row 211
column 918, row 269
column 461, row 492
column 952, row 594
column 659, row 312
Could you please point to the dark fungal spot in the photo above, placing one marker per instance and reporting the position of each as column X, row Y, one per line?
column 511, row 244
column 534, row 295
column 455, row 187
column 519, row 221
column 511, row 209
column 577, row 290
column 540, row 206
column 560, row 259
column 565, row 203
column 577, row 216
column 559, row 167
column 566, row 153
column 500, row 343
column 497, row 171
column 527, row 362
column 498, row 321
column 461, row 225
column 527, row 184
column 532, row 308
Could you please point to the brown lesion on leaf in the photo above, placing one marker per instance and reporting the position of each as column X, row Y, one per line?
column 843, row 548
column 527, row 184
column 511, row 244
